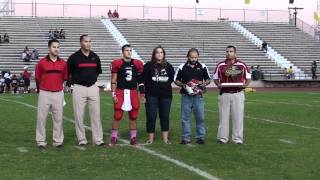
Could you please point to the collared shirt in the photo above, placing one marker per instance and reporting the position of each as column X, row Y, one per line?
column 188, row 74
column 51, row 75
column 226, row 72
column 84, row 70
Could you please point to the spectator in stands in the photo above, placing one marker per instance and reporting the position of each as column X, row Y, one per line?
column 26, row 55
column 2, row 84
column 56, row 34
column 35, row 54
column 290, row 72
column 115, row 14
column 109, row 14
column 14, row 84
column 51, row 34
column 7, row 81
column 314, row 69
column 264, row 46
column 62, row 34
column 26, row 75
column 260, row 72
column 0, row 39
column 285, row 73
column 6, row 38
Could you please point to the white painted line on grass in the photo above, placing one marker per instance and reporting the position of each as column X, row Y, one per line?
column 22, row 149
column 281, row 102
column 80, row 148
column 149, row 151
column 286, row 141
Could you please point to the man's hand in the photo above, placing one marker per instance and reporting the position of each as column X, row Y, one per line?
column 115, row 99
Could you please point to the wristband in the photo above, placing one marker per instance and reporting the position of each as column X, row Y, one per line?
column 113, row 94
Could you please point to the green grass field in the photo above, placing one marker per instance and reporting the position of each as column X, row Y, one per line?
column 282, row 141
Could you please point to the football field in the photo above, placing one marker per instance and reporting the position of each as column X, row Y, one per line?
column 282, row 141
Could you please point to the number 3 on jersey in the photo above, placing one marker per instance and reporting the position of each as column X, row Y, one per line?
column 129, row 74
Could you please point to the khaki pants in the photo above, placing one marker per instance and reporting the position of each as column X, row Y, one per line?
column 50, row 101
column 231, row 104
column 82, row 96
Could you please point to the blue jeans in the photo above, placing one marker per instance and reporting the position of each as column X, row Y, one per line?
column 195, row 104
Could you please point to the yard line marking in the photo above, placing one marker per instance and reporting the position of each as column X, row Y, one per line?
column 80, row 148
column 22, row 149
column 142, row 148
column 281, row 102
column 286, row 141
column 274, row 121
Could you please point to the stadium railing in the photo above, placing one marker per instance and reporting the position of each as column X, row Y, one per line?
column 38, row 9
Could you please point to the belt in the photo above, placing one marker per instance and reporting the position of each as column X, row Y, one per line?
column 86, row 85
column 231, row 92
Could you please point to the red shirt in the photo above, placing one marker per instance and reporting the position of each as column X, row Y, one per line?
column 26, row 75
column 226, row 72
column 51, row 75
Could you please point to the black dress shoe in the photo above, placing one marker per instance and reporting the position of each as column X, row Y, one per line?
column 102, row 144
column 60, row 146
column 41, row 147
column 201, row 141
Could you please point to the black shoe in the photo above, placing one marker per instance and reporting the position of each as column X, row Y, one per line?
column 185, row 142
column 102, row 144
column 238, row 143
column 201, row 141
column 59, row 146
column 82, row 145
column 41, row 147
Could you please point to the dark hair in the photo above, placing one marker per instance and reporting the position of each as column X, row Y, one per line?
column 234, row 48
column 153, row 57
column 125, row 46
column 193, row 50
column 82, row 36
column 52, row 41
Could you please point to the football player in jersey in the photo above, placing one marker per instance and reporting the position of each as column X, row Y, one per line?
column 126, row 80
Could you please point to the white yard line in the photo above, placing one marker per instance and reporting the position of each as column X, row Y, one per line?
column 142, row 148
column 22, row 149
column 286, row 141
column 281, row 102
column 270, row 121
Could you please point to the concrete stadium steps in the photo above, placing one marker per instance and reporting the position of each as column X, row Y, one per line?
column 298, row 47
column 34, row 33
column 177, row 37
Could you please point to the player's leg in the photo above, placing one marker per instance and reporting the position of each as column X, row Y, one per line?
column 224, row 115
column 42, row 113
column 151, row 114
column 186, row 109
column 164, row 115
column 199, row 116
column 94, row 111
column 117, row 116
column 133, row 115
column 57, row 100
column 79, row 98
column 237, row 111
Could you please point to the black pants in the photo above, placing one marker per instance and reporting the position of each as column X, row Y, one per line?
column 153, row 106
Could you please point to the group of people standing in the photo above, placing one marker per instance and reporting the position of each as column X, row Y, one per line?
column 132, row 83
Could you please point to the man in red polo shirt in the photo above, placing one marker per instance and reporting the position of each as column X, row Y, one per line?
column 231, row 77
column 51, row 72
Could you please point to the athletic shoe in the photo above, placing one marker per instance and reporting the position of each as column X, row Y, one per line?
column 167, row 142
column 133, row 141
column 101, row 144
column 149, row 142
column 41, row 147
column 221, row 142
column 185, row 142
column 59, row 146
column 113, row 141
column 201, row 141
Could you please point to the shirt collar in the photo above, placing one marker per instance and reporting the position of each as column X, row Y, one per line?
column 48, row 58
column 235, row 61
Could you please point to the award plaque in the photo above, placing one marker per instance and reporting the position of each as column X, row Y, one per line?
column 234, row 77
